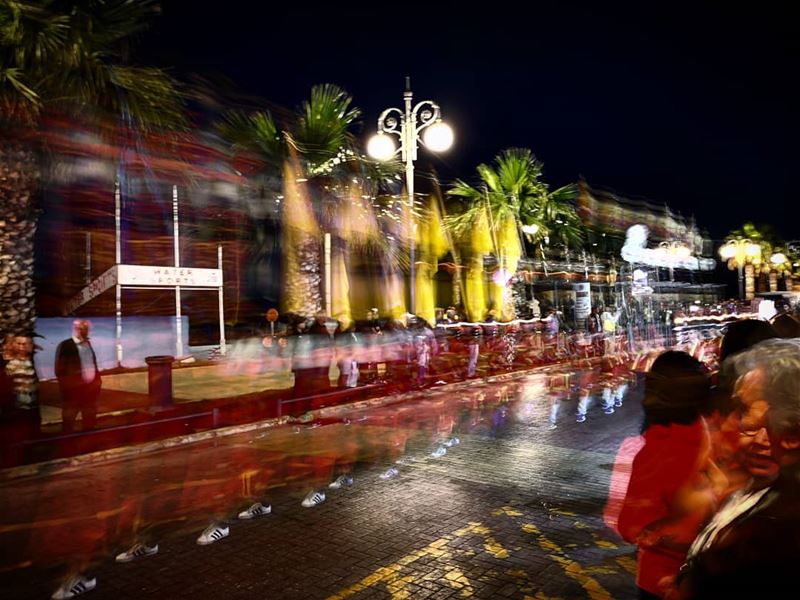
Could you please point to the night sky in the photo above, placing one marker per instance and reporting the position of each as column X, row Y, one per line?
column 693, row 105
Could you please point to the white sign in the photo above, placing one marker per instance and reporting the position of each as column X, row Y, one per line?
column 640, row 285
column 94, row 289
column 583, row 300
column 169, row 276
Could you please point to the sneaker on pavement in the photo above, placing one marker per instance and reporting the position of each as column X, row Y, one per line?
column 580, row 418
column 618, row 402
column 389, row 473
column 256, row 510
column 609, row 410
column 340, row 481
column 552, row 426
column 137, row 551
column 213, row 533
column 313, row 498
column 439, row 452
column 454, row 441
column 75, row 586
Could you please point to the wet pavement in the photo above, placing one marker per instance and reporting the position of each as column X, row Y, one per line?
column 513, row 509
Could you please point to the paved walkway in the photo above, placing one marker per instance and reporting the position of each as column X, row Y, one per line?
column 513, row 511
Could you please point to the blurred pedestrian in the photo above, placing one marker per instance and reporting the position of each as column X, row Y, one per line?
column 673, row 479
column 751, row 546
column 19, row 385
column 78, row 378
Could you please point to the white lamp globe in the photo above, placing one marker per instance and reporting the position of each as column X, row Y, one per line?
column 531, row 229
column 381, row 147
column 778, row 258
column 438, row 137
column 727, row 251
column 752, row 250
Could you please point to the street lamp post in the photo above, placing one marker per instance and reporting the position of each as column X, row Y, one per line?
column 407, row 125
column 741, row 253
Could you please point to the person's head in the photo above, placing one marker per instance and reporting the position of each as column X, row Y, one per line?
column 744, row 334
column 677, row 390
column 80, row 329
column 786, row 326
column 739, row 337
column 768, row 392
column 22, row 346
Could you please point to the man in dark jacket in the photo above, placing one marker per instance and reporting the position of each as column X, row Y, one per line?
column 78, row 378
column 752, row 544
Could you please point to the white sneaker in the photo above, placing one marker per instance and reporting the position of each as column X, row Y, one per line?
column 439, row 452
column 389, row 473
column 340, row 481
column 256, row 510
column 137, row 551
column 580, row 418
column 313, row 498
column 552, row 426
column 74, row 586
column 454, row 441
column 213, row 533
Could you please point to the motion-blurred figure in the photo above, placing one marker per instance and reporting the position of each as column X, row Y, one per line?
column 752, row 544
column 19, row 386
column 672, row 486
column 78, row 378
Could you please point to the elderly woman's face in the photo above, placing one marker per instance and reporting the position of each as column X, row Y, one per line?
column 754, row 442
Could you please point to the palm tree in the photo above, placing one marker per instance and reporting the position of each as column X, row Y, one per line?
column 64, row 57
column 330, row 186
column 511, row 193
column 754, row 260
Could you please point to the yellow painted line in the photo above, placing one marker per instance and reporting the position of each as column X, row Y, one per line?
column 572, row 569
column 506, row 510
column 396, row 584
column 628, row 563
column 600, row 543
column 600, row 570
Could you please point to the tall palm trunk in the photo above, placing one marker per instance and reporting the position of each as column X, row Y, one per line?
column 19, row 182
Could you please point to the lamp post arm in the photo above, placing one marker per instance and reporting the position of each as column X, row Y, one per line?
column 424, row 118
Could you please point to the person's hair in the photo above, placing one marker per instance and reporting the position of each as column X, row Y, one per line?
column 786, row 326
column 744, row 334
column 677, row 390
column 779, row 362
column 739, row 337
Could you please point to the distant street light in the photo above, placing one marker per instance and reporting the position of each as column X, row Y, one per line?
column 739, row 253
column 407, row 125
column 532, row 229
column 778, row 258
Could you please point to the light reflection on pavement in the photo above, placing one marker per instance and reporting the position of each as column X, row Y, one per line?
column 80, row 514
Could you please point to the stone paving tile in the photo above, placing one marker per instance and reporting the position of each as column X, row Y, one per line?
column 496, row 517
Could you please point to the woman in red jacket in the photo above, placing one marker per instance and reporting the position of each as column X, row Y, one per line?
column 672, row 490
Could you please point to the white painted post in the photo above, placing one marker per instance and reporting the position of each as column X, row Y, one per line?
column 118, row 260
column 222, row 348
column 178, row 322
column 328, row 278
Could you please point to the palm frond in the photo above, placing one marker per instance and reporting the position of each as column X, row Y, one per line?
column 254, row 132
column 148, row 95
column 323, row 124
